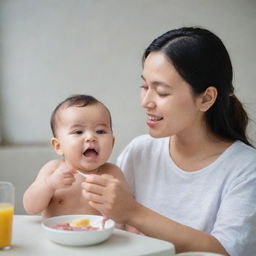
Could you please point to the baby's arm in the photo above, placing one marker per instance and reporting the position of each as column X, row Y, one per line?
column 53, row 175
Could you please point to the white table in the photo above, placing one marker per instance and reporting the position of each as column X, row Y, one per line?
column 29, row 240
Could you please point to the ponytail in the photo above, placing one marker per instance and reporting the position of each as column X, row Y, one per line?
column 238, row 119
column 228, row 119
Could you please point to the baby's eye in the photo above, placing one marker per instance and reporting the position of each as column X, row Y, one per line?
column 78, row 132
column 100, row 131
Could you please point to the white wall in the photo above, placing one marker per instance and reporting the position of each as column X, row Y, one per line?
column 54, row 48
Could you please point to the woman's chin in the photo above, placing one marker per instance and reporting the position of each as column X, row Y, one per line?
column 156, row 134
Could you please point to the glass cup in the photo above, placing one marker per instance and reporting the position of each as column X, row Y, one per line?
column 6, row 214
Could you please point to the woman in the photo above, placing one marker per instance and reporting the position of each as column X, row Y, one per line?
column 193, row 179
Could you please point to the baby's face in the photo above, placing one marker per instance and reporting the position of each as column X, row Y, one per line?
column 85, row 136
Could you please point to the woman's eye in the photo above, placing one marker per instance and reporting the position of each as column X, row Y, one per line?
column 163, row 94
column 144, row 87
column 100, row 132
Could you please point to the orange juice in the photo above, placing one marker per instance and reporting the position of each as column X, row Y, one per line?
column 6, row 214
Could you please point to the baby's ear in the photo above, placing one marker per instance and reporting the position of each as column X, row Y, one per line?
column 57, row 147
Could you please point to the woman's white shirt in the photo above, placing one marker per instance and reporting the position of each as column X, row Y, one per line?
column 219, row 199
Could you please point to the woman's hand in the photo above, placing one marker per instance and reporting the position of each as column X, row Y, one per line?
column 110, row 196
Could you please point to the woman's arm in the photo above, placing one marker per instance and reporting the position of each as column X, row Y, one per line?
column 183, row 237
column 113, row 199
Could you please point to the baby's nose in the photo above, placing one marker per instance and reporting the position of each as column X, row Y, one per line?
column 90, row 137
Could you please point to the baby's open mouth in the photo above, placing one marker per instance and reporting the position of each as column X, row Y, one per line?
column 90, row 152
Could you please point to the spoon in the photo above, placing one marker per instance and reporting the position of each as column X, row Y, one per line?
column 83, row 174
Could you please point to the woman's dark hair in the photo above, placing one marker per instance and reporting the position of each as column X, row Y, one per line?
column 79, row 100
column 202, row 60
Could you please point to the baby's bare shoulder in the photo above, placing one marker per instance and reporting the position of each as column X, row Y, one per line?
column 51, row 166
column 108, row 168
column 55, row 162
column 112, row 169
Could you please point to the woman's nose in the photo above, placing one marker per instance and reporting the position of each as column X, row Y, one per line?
column 147, row 101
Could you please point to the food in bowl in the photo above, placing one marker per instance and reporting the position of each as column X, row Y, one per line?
column 80, row 222
column 78, row 230
column 75, row 225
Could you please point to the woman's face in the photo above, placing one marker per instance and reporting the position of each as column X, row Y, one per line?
column 170, row 105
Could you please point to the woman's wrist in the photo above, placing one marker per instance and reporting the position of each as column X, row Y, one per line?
column 135, row 214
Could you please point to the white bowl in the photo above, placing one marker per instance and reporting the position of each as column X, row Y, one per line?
column 78, row 238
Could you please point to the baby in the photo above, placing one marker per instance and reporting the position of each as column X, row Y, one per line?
column 83, row 136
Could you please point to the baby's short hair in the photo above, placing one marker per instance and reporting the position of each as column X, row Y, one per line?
column 80, row 100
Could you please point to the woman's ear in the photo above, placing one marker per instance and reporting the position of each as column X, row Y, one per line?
column 208, row 98
column 56, row 145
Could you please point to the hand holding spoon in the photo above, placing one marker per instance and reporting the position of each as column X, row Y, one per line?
column 103, row 221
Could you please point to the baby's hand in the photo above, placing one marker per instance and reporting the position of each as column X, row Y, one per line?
column 62, row 177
